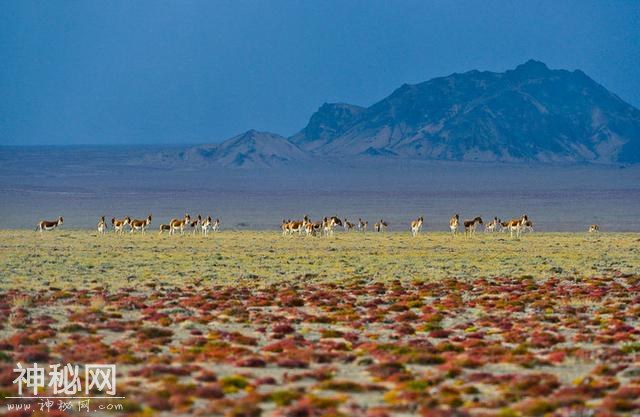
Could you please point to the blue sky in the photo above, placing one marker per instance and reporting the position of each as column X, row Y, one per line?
column 201, row 71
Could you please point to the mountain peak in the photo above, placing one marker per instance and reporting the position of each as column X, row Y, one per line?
column 532, row 68
column 530, row 113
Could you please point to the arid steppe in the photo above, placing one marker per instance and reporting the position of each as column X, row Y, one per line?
column 78, row 259
column 376, row 324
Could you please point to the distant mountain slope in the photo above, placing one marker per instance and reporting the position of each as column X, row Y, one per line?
column 326, row 124
column 248, row 150
column 531, row 113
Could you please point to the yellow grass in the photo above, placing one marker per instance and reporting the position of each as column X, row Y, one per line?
column 81, row 259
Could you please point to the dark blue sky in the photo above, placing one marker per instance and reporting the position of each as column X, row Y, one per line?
column 192, row 72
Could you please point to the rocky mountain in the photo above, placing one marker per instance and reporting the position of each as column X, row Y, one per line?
column 326, row 124
column 248, row 150
column 528, row 114
column 531, row 113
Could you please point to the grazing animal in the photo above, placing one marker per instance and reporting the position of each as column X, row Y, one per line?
column 492, row 226
column 362, row 225
column 215, row 226
column 165, row 228
column 517, row 225
column 453, row 224
column 140, row 224
column 179, row 224
column 119, row 224
column 47, row 225
column 416, row 226
column 594, row 228
column 205, row 225
column 348, row 226
column 102, row 226
column 470, row 226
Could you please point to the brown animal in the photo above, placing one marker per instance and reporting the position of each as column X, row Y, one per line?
column 179, row 224
column 47, row 225
column 102, row 226
column 416, row 226
column 517, row 225
column 119, row 224
column 140, row 224
column 470, row 226
column 453, row 224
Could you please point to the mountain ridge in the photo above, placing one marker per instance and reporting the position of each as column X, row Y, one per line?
column 527, row 114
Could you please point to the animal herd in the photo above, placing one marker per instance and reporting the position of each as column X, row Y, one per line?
column 326, row 226
column 194, row 225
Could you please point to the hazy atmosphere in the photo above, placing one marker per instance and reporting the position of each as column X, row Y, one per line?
column 309, row 208
column 193, row 72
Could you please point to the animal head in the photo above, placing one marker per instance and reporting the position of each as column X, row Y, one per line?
column 60, row 220
column 113, row 220
column 187, row 218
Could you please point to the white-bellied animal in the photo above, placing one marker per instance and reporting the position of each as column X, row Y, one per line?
column 348, row 226
column 362, row 225
column 493, row 225
column 140, row 225
column 102, row 226
column 205, row 225
column 47, row 225
column 165, row 228
column 471, row 225
column 330, row 223
column 215, row 226
column 193, row 224
column 308, row 229
column 380, row 226
column 517, row 225
column 120, row 224
column 594, row 228
column 453, row 224
column 179, row 224
column 295, row 226
column 416, row 226
column 285, row 226
column 528, row 226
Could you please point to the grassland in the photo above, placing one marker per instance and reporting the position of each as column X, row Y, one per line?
column 256, row 324
column 79, row 259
